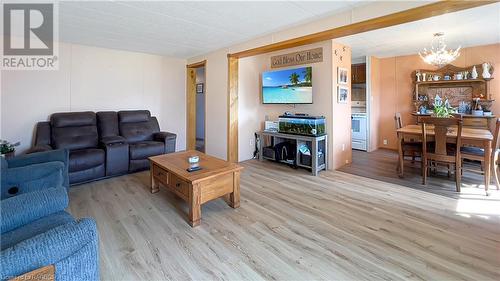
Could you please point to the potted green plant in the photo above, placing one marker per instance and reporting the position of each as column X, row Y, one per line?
column 442, row 109
column 7, row 149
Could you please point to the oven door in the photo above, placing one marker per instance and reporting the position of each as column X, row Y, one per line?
column 358, row 128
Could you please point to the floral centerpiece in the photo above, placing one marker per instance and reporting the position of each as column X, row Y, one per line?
column 442, row 109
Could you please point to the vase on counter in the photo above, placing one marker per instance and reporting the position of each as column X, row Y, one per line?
column 486, row 70
column 463, row 107
column 474, row 74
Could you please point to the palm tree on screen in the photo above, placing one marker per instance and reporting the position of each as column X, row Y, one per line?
column 308, row 74
column 294, row 78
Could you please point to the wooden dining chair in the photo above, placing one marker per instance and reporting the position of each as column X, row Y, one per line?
column 477, row 154
column 442, row 152
column 410, row 148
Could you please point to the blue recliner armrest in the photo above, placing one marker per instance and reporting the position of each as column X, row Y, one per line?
column 61, row 155
column 72, row 248
column 25, row 208
column 31, row 178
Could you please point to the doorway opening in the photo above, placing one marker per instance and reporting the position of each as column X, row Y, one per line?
column 200, row 109
column 359, row 105
column 195, row 100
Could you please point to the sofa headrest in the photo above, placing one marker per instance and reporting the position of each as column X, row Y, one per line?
column 73, row 119
column 134, row 116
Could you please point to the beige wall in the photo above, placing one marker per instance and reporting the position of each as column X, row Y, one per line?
column 340, row 137
column 94, row 79
column 251, row 111
column 396, row 88
column 216, row 128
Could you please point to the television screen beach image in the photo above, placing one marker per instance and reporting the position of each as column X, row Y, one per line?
column 287, row 86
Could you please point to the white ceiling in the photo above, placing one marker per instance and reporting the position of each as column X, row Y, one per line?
column 473, row 27
column 184, row 29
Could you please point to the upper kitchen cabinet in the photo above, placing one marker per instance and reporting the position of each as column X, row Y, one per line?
column 358, row 73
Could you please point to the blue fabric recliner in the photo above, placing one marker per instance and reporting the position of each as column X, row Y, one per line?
column 36, row 231
column 35, row 171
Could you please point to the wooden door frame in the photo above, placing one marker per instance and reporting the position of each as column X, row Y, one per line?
column 406, row 16
column 191, row 103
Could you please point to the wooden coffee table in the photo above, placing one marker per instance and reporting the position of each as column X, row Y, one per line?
column 217, row 178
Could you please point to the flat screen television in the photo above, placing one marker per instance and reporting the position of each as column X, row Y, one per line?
column 290, row 86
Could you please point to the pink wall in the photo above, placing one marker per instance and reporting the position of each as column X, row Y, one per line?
column 374, row 110
column 396, row 87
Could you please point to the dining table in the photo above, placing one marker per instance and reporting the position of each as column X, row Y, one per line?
column 474, row 137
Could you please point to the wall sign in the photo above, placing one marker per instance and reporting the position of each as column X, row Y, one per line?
column 302, row 57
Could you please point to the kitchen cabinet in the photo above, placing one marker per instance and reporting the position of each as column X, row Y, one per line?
column 358, row 73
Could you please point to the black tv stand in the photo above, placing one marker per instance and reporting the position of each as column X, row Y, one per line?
column 317, row 161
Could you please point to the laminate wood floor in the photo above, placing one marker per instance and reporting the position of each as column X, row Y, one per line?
column 381, row 165
column 292, row 226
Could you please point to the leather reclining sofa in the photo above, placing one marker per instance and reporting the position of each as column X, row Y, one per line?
column 104, row 144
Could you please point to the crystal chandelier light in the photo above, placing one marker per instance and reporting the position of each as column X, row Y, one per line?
column 438, row 55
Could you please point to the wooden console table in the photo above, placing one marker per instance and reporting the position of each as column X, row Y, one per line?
column 317, row 145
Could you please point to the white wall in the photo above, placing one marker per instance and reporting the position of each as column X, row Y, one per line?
column 251, row 111
column 216, row 78
column 94, row 79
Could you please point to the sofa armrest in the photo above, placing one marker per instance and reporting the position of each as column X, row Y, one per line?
column 72, row 246
column 25, row 208
column 117, row 155
column 39, row 148
column 164, row 136
column 112, row 140
column 167, row 138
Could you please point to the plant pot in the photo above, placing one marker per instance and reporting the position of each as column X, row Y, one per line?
column 9, row 155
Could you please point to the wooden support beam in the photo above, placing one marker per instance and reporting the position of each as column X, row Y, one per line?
column 232, row 110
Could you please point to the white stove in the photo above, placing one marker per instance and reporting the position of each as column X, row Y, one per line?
column 358, row 129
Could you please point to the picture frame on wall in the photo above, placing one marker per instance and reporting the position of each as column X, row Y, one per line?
column 342, row 94
column 342, row 76
column 199, row 88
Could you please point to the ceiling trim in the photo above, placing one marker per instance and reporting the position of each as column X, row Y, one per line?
column 414, row 14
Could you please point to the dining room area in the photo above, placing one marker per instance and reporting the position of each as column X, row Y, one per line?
column 433, row 108
column 447, row 144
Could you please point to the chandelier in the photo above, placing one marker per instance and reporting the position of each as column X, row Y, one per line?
column 438, row 55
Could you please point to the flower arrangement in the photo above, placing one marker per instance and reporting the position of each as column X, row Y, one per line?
column 442, row 109
column 7, row 147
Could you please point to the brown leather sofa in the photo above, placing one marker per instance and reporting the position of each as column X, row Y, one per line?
column 104, row 144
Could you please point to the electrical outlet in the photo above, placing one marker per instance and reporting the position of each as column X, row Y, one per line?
column 385, row 141
column 251, row 142
column 347, row 161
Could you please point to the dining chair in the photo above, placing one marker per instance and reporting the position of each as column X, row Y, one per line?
column 477, row 154
column 442, row 152
column 410, row 148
